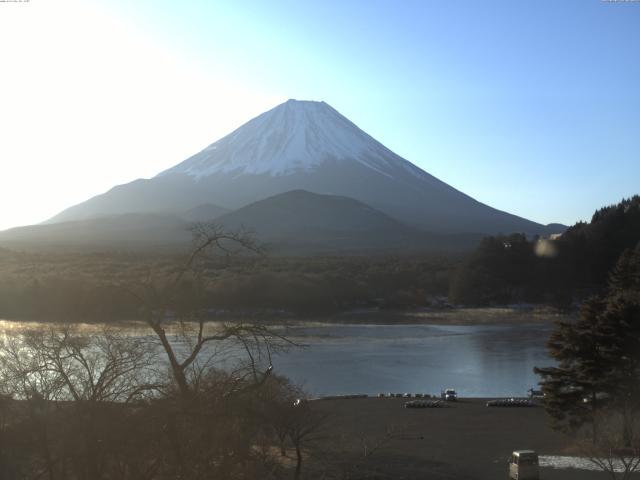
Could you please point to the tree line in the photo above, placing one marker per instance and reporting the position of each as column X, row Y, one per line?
column 502, row 270
column 58, row 288
column 562, row 271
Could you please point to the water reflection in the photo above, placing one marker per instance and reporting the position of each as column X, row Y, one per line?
column 482, row 361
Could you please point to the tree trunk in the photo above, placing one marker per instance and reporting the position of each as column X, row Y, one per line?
column 298, row 462
column 282, row 438
column 594, row 428
column 171, row 431
column 627, row 425
column 46, row 452
column 176, row 369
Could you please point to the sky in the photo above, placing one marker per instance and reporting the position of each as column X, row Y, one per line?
column 532, row 107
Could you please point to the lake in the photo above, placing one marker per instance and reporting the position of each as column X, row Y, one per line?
column 478, row 361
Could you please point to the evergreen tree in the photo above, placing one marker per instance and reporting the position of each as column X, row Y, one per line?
column 624, row 279
column 576, row 388
column 507, row 269
column 598, row 357
column 621, row 325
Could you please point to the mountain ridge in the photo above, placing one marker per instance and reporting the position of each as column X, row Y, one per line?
column 309, row 146
column 291, row 223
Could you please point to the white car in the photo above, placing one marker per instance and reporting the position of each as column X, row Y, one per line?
column 449, row 394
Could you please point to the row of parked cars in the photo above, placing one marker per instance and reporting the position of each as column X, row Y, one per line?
column 448, row 394
column 533, row 395
column 404, row 395
column 510, row 402
column 425, row 404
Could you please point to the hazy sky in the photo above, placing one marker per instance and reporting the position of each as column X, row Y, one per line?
column 531, row 106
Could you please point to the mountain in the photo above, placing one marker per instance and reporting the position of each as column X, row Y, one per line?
column 310, row 146
column 302, row 212
column 203, row 213
column 128, row 231
column 303, row 222
column 296, row 222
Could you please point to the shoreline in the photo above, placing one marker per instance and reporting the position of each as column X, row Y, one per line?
column 503, row 315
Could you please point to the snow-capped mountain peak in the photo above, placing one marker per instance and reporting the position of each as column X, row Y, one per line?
column 302, row 145
column 296, row 136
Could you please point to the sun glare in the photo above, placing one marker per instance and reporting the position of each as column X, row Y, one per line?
column 88, row 102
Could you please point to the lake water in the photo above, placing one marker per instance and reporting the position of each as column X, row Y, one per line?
column 478, row 361
column 481, row 361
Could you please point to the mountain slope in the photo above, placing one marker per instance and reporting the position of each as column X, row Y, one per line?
column 296, row 222
column 128, row 231
column 303, row 222
column 310, row 146
column 301, row 211
column 203, row 213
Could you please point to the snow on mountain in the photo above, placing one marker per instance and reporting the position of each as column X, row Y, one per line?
column 297, row 136
column 304, row 145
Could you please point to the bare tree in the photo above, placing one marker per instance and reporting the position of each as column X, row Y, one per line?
column 62, row 364
column 74, row 390
column 612, row 452
column 303, row 427
column 80, row 419
column 178, row 301
column 208, row 426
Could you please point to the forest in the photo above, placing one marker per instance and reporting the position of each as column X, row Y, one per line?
column 502, row 270
column 89, row 287
column 562, row 272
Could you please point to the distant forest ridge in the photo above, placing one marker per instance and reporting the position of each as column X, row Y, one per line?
column 502, row 270
column 507, row 269
column 296, row 222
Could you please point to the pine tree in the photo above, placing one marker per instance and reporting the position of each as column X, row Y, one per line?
column 598, row 357
column 575, row 389
column 624, row 279
column 620, row 324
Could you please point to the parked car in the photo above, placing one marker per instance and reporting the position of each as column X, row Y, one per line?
column 535, row 394
column 449, row 394
column 600, row 397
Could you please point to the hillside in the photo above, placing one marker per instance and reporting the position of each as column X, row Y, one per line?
column 296, row 222
column 131, row 231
